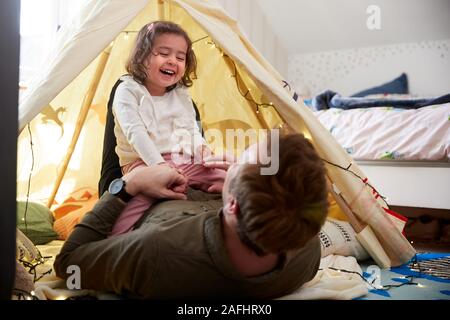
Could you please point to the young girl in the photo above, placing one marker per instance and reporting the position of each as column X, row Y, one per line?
column 154, row 115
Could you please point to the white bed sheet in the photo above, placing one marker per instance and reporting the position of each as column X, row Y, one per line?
column 387, row 133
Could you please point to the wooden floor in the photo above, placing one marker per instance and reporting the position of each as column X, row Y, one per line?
column 428, row 229
column 431, row 247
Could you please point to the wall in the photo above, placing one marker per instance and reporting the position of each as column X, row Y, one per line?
column 347, row 71
column 333, row 47
column 307, row 26
column 256, row 27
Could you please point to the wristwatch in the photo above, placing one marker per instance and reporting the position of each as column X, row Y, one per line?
column 117, row 188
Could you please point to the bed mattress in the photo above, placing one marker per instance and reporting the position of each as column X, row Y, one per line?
column 387, row 133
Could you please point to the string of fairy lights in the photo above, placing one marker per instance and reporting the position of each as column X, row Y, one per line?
column 364, row 180
column 409, row 279
column 21, row 294
column 34, row 264
column 24, row 219
column 235, row 74
column 247, row 94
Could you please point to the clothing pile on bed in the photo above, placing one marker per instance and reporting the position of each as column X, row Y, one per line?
column 330, row 99
column 387, row 123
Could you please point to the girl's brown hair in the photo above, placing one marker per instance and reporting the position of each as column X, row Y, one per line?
column 144, row 45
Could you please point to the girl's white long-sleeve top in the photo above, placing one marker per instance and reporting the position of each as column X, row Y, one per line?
column 147, row 126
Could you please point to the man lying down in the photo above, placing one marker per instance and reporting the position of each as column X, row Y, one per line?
column 258, row 241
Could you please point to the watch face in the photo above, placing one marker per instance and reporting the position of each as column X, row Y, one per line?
column 116, row 186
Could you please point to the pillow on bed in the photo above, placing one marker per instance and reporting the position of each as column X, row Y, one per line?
column 39, row 222
column 397, row 86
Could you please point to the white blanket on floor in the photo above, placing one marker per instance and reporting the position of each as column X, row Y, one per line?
column 332, row 284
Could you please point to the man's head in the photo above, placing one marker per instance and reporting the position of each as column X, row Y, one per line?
column 281, row 212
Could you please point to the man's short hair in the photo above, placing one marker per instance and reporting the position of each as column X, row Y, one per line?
column 284, row 211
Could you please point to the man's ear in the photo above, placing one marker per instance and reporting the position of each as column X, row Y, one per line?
column 233, row 206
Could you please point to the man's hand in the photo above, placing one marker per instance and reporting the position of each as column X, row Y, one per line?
column 158, row 182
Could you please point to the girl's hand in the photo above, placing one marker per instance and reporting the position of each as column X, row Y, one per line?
column 223, row 161
column 203, row 152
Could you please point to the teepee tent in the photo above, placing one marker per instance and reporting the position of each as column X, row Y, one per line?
column 63, row 112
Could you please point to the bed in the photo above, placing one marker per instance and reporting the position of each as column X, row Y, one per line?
column 402, row 144
column 405, row 153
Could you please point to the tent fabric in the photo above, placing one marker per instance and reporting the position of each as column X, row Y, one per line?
column 231, row 76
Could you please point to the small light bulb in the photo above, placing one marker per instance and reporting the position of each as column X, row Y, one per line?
column 126, row 36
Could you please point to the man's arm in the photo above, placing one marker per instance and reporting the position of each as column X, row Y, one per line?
column 125, row 262
column 107, row 264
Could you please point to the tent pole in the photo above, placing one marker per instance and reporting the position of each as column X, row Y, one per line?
column 87, row 101
column 357, row 225
column 363, row 231
column 161, row 14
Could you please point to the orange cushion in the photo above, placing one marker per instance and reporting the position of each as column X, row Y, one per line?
column 72, row 211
